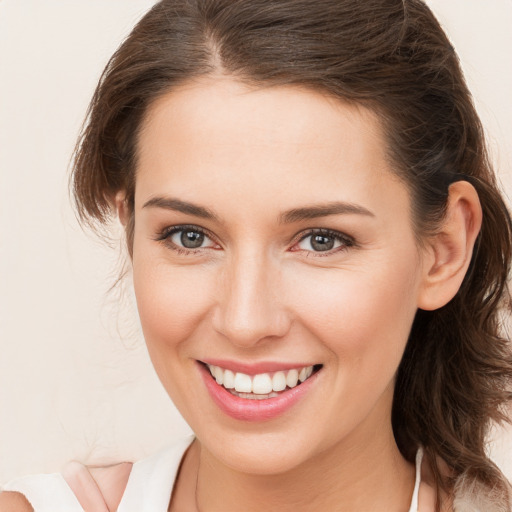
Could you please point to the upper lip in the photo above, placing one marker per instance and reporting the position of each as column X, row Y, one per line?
column 254, row 368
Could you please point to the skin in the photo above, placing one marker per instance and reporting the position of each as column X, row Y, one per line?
column 257, row 290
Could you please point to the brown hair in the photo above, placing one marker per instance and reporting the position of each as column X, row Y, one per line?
column 393, row 57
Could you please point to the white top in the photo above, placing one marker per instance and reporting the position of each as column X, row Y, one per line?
column 148, row 489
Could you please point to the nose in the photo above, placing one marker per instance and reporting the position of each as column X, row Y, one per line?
column 250, row 306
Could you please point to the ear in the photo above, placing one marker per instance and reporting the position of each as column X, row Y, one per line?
column 121, row 207
column 448, row 253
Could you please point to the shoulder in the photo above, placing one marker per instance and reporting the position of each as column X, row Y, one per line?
column 101, row 488
column 78, row 488
column 14, row 502
column 97, row 487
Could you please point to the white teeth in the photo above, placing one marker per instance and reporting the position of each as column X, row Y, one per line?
column 243, row 383
column 278, row 381
column 252, row 396
column 292, row 378
column 262, row 385
column 218, row 374
column 305, row 373
column 229, row 379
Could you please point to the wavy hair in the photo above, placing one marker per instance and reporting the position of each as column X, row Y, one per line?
column 390, row 56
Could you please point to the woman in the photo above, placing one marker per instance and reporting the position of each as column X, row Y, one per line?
column 319, row 251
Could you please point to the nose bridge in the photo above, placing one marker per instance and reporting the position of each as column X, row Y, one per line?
column 250, row 306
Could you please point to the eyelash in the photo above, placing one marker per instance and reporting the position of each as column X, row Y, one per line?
column 346, row 241
column 167, row 233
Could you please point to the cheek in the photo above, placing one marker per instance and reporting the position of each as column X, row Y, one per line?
column 171, row 301
column 363, row 319
column 361, row 314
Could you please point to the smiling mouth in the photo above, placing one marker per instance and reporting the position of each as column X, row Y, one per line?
column 261, row 386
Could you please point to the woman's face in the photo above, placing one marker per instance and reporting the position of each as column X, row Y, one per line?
column 271, row 236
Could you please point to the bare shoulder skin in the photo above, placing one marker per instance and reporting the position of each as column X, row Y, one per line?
column 14, row 502
column 98, row 488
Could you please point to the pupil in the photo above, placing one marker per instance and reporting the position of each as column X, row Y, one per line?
column 192, row 239
column 322, row 243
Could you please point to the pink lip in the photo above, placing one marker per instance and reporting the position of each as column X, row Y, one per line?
column 254, row 368
column 254, row 410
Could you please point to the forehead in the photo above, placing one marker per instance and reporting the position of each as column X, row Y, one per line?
column 295, row 145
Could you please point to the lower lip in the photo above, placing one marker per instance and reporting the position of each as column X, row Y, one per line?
column 245, row 409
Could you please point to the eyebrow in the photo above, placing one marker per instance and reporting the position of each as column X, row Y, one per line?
column 323, row 210
column 177, row 205
column 288, row 217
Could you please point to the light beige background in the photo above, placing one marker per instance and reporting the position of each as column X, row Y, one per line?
column 75, row 379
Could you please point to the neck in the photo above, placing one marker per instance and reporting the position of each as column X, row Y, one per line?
column 374, row 476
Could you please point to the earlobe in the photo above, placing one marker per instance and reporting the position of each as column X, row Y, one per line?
column 451, row 248
column 121, row 207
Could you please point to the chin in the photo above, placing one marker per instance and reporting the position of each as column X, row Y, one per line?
column 266, row 454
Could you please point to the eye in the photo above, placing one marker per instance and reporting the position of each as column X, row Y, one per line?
column 323, row 240
column 187, row 238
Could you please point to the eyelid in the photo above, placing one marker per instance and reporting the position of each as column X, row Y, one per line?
column 346, row 240
column 164, row 236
